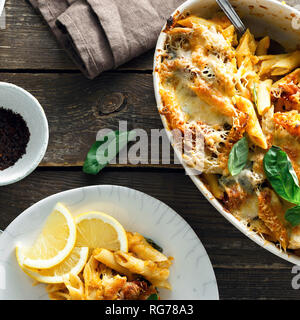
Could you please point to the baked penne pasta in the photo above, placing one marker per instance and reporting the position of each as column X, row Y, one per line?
column 196, row 22
column 118, row 275
column 253, row 127
column 147, row 269
column 143, row 250
column 214, row 185
column 163, row 284
column 75, row 288
column 230, row 35
column 279, row 65
column 263, row 46
column 264, row 96
column 228, row 91
column 272, row 214
column 107, row 258
column 286, row 65
column 246, row 48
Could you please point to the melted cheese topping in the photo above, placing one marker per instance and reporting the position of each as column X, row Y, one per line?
column 196, row 109
column 248, row 209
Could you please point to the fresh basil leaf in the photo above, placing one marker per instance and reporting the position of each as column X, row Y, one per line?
column 281, row 175
column 99, row 156
column 238, row 157
column 153, row 297
column 154, row 245
column 293, row 216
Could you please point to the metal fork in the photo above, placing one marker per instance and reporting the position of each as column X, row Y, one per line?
column 232, row 15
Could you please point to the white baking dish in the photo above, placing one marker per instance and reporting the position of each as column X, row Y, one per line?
column 265, row 17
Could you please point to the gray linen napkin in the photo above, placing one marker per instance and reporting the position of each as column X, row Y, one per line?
column 103, row 34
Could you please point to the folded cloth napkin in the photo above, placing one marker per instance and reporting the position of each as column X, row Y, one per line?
column 103, row 34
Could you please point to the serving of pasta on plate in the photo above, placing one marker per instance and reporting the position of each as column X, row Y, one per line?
column 118, row 275
column 92, row 257
column 241, row 96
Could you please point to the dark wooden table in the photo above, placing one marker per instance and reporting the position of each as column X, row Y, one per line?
column 31, row 58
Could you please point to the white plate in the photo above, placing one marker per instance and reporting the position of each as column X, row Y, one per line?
column 192, row 275
column 265, row 17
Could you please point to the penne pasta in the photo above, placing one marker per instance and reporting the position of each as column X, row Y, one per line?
column 293, row 77
column 286, row 65
column 268, row 125
column 253, row 127
column 107, row 257
column 213, row 183
column 221, row 20
column 279, row 65
column 213, row 97
column 230, row 34
column 161, row 284
column 263, row 46
column 246, row 48
column 272, row 214
column 196, row 22
column 263, row 102
column 148, row 269
column 75, row 287
column 143, row 250
column 180, row 31
column 165, row 264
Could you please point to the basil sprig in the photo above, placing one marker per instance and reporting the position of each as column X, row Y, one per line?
column 282, row 176
column 99, row 156
column 238, row 157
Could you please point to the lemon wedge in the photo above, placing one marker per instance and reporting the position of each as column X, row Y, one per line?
column 73, row 264
column 99, row 230
column 55, row 242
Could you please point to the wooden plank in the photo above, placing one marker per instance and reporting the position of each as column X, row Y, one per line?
column 77, row 108
column 243, row 269
column 27, row 43
column 258, row 284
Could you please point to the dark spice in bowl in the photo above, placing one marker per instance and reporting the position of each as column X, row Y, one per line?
column 14, row 137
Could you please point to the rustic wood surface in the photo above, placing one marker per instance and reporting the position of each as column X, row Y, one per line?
column 75, row 107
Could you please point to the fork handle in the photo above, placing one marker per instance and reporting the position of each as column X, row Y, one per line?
column 232, row 15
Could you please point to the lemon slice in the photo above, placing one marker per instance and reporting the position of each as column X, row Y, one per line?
column 99, row 230
column 55, row 242
column 73, row 264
